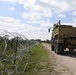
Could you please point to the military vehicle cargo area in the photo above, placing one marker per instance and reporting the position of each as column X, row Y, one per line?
column 63, row 36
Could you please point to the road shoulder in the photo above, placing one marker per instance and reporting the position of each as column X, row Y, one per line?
column 61, row 62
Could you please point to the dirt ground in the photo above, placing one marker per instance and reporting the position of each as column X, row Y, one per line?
column 65, row 63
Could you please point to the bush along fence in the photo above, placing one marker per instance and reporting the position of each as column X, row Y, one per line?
column 14, row 48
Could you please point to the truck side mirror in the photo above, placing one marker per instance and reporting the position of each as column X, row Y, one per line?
column 48, row 30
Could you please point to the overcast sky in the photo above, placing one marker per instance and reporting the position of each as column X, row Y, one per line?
column 33, row 17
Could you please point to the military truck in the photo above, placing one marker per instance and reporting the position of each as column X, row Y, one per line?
column 63, row 36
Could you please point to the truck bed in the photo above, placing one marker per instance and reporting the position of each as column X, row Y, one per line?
column 70, row 32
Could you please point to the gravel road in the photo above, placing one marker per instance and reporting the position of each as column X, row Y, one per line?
column 66, row 63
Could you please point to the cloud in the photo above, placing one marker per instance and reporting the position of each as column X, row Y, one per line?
column 38, row 12
column 37, row 9
column 45, row 23
column 74, row 19
column 33, row 15
column 74, row 13
column 14, row 25
column 42, row 23
column 8, row 21
column 62, row 5
column 57, row 5
column 61, row 15
column 12, row 8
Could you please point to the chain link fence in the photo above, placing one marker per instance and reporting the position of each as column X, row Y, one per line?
column 14, row 48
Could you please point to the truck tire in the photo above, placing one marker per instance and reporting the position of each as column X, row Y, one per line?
column 70, row 49
column 59, row 48
column 52, row 47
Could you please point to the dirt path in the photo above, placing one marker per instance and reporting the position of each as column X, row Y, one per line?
column 65, row 64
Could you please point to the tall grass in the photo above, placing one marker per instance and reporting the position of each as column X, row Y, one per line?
column 41, row 62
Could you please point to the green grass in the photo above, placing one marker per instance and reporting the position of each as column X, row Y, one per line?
column 41, row 62
column 7, row 60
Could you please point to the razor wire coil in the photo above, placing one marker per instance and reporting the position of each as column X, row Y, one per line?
column 14, row 48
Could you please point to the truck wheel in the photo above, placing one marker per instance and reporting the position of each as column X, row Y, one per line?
column 52, row 47
column 55, row 49
column 59, row 48
column 70, row 49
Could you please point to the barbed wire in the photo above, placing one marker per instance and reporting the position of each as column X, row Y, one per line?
column 14, row 48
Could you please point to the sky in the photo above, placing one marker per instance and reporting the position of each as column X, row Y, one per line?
column 33, row 18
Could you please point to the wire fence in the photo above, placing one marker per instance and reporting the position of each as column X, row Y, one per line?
column 14, row 48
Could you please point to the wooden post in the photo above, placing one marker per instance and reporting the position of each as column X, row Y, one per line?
column 16, row 50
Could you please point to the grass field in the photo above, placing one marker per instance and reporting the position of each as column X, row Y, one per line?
column 41, row 62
